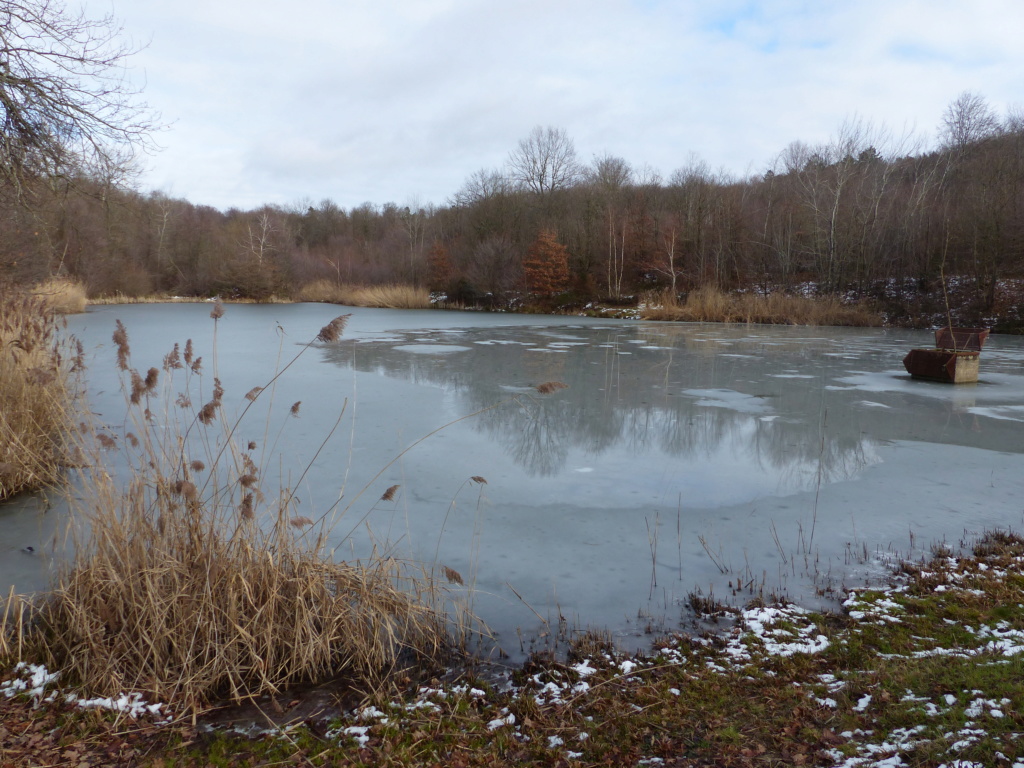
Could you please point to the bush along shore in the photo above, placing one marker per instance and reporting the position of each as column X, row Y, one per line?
column 928, row 671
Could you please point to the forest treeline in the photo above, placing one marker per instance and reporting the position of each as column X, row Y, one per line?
column 868, row 213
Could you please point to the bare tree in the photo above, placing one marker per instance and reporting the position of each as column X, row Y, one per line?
column 795, row 157
column 545, row 161
column 66, row 105
column 967, row 120
column 691, row 197
column 260, row 231
column 610, row 173
column 413, row 219
column 1014, row 122
column 479, row 186
column 612, row 177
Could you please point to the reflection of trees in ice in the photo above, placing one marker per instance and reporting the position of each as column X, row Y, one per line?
column 767, row 395
column 537, row 439
column 638, row 400
column 801, row 452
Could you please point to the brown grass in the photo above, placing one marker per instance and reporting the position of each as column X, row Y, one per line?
column 64, row 296
column 709, row 304
column 157, row 298
column 193, row 582
column 36, row 393
column 384, row 296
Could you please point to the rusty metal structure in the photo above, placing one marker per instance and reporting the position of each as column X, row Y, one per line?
column 956, row 358
column 961, row 339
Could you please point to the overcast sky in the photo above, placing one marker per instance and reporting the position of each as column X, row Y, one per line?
column 288, row 101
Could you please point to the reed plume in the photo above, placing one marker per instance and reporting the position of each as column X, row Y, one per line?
column 333, row 330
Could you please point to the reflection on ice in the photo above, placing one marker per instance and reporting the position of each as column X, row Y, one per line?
column 430, row 349
column 1009, row 412
column 733, row 432
column 727, row 398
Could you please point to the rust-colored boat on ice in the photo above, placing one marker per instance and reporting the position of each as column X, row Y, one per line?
column 955, row 359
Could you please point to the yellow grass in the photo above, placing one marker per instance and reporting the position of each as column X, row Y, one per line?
column 709, row 304
column 120, row 298
column 62, row 295
column 36, row 393
column 385, row 296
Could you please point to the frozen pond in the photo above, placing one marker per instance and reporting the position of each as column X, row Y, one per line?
column 679, row 457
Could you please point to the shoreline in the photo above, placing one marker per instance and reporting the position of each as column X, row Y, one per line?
column 927, row 668
column 734, row 307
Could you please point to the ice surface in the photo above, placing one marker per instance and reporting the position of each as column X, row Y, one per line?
column 430, row 349
column 798, row 459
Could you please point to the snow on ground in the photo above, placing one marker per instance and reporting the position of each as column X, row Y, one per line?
column 33, row 680
column 759, row 633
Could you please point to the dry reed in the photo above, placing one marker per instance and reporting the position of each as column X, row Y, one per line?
column 37, row 392
column 190, row 585
column 64, row 296
column 383, row 296
column 159, row 298
column 709, row 304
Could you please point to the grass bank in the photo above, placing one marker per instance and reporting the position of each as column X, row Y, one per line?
column 37, row 392
column 927, row 671
column 383, row 296
column 709, row 304
column 391, row 296
column 157, row 298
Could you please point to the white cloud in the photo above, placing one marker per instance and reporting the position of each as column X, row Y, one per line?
column 389, row 100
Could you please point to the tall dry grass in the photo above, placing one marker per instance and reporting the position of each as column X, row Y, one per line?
column 63, row 295
column 160, row 298
column 37, row 392
column 384, row 296
column 710, row 304
column 196, row 580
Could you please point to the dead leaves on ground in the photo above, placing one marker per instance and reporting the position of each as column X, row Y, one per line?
column 54, row 734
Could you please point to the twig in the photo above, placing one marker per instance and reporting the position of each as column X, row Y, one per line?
column 718, row 564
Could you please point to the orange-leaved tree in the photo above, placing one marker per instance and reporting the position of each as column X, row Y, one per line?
column 440, row 270
column 547, row 264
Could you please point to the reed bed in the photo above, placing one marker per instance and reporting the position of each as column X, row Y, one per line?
column 37, row 392
column 160, row 298
column 710, row 304
column 384, row 296
column 63, row 295
column 193, row 581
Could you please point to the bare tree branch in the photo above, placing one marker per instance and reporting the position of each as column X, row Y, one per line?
column 67, row 107
column 545, row 161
